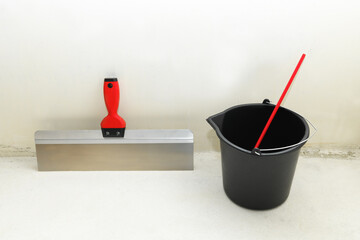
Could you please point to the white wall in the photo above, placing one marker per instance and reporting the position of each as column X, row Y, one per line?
column 178, row 62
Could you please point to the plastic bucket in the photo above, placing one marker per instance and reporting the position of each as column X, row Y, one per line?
column 259, row 179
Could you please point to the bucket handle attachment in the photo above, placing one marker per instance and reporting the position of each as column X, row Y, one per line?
column 258, row 151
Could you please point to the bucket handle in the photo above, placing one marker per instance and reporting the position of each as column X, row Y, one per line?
column 258, row 151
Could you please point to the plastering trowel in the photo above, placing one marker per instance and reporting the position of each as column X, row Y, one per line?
column 113, row 148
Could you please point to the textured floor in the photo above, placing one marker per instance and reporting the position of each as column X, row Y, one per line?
column 324, row 203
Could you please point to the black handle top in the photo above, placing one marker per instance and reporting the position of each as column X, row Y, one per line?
column 110, row 80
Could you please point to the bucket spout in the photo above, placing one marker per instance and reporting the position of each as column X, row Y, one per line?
column 216, row 121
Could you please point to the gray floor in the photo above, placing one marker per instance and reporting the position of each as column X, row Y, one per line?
column 324, row 203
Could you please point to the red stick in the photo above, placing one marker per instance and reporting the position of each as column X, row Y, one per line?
column 279, row 102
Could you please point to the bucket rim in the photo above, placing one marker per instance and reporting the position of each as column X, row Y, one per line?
column 222, row 137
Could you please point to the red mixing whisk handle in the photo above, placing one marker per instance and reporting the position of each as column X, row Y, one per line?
column 279, row 102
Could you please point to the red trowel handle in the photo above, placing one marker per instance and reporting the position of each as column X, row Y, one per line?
column 112, row 125
column 111, row 95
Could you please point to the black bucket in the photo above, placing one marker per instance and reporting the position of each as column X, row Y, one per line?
column 259, row 179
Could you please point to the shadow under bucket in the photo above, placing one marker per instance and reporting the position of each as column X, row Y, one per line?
column 259, row 180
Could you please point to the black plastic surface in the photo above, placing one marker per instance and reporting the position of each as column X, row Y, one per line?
column 253, row 179
column 113, row 132
column 110, row 80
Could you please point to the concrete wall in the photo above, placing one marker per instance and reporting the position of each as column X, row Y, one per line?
column 178, row 62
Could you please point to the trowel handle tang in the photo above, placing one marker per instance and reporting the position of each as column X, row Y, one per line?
column 111, row 95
